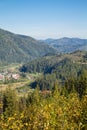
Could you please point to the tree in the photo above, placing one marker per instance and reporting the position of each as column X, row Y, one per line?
column 9, row 102
column 81, row 84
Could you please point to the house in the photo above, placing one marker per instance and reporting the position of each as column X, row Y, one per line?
column 15, row 76
column 45, row 92
column 2, row 77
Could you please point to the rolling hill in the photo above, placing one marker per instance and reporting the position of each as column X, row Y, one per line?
column 63, row 65
column 20, row 48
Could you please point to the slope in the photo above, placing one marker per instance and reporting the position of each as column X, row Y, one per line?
column 20, row 48
column 62, row 65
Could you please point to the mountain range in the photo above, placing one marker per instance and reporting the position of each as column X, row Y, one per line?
column 67, row 45
column 15, row 48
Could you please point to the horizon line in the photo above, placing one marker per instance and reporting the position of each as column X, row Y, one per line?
column 43, row 37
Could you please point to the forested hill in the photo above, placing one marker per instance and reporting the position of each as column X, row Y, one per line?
column 62, row 65
column 20, row 48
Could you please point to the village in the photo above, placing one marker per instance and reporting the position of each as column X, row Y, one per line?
column 6, row 75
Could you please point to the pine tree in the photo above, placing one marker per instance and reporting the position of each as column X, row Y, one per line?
column 9, row 102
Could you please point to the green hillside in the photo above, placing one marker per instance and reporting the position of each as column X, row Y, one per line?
column 20, row 48
column 62, row 65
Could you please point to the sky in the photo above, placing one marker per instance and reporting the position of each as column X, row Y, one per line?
column 43, row 19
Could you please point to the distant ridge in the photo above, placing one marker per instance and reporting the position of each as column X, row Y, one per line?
column 67, row 45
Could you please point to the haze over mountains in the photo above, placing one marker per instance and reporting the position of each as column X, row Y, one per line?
column 67, row 45
column 21, row 48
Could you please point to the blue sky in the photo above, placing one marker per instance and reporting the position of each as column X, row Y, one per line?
column 45, row 18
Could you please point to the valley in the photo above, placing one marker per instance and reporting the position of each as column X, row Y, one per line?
column 15, row 80
column 43, row 84
column 52, row 67
column 43, row 64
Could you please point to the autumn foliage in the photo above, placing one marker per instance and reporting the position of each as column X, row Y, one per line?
column 58, row 110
